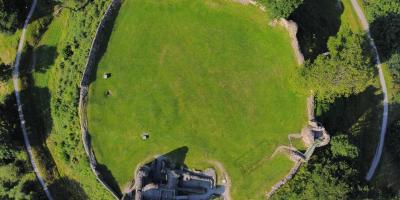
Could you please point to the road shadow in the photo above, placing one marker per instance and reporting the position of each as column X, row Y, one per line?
column 317, row 20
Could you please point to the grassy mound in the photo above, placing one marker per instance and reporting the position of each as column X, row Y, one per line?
column 211, row 76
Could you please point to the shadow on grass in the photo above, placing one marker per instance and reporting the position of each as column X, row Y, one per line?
column 108, row 177
column 177, row 156
column 67, row 189
column 317, row 21
column 341, row 115
column 46, row 56
column 36, row 103
column 359, row 116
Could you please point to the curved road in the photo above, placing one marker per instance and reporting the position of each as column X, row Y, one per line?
column 379, row 149
column 15, row 77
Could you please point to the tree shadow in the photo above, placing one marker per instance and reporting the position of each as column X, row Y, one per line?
column 5, row 72
column 67, row 189
column 34, row 189
column 46, row 56
column 359, row 116
column 36, row 105
column 386, row 33
column 341, row 115
column 43, row 12
column 317, row 20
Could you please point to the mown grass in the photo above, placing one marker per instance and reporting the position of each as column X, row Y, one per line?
column 210, row 75
column 8, row 47
column 350, row 17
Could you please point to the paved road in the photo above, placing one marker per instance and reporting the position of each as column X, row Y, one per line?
column 17, row 88
column 378, row 152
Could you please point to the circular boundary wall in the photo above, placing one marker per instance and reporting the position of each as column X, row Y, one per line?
column 101, row 36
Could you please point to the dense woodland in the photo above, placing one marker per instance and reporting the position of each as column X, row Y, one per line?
column 337, row 70
column 17, row 180
column 340, row 77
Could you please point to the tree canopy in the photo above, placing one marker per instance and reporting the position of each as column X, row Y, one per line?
column 8, row 16
column 344, row 71
column 328, row 175
column 281, row 8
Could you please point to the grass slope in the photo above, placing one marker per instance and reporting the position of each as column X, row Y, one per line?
column 209, row 75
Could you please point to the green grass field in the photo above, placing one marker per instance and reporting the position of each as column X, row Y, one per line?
column 209, row 75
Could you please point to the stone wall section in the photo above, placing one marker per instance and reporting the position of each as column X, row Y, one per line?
column 83, row 96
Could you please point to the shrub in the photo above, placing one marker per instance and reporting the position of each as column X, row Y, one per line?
column 281, row 8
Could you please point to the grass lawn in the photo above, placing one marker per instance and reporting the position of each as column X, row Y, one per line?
column 8, row 47
column 210, row 75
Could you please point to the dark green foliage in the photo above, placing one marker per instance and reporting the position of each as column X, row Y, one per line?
column 384, row 16
column 17, row 181
column 317, row 20
column 341, row 147
column 9, row 16
column 394, row 66
column 330, row 175
column 394, row 138
column 281, row 8
column 346, row 70
column 386, row 33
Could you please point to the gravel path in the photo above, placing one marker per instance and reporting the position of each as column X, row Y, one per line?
column 17, row 88
column 378, row 152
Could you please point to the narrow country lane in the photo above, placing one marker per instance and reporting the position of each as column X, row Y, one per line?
column 15, row 77
column 379, row 149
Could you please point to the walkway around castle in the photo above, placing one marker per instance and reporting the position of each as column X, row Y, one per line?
column 379, row 149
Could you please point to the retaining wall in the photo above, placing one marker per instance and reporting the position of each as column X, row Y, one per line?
column 84, row 86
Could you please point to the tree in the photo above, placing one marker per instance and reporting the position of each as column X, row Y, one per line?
column 8, row 16
column 394, row 66
column 386, row 32
column 328, row 175
column 378, row 8
column 346, row 70
column 281, row 8
column 341, row 147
